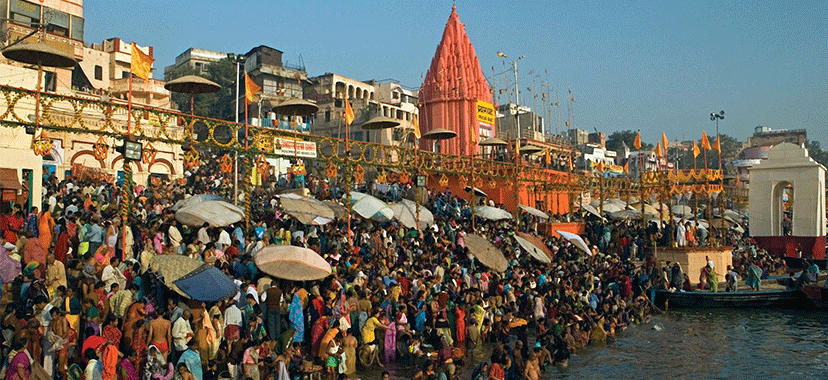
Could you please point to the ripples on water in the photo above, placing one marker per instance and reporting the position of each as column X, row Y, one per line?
column 697, row 344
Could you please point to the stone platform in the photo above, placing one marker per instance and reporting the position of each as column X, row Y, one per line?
column 693, row 259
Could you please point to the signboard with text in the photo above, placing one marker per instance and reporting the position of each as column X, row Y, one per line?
column 485, row 112
column 292, row 147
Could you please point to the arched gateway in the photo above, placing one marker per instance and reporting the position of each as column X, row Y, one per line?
column 787, row 203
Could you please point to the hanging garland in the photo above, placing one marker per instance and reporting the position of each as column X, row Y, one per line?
column 331, row 170
column 382, row 177
column 444, row 180
column 191, row 159
column 226, row 163
column 359, row 173
column 404, row 177
column 462, row 180
column 42, row 145
column 148, row 155
column 101, row 149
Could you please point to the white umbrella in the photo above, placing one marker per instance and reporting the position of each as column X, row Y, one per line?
column 592, row 210
column 738, row 229
column 576, row 240
column 370, row 207
column 486, row 252
column 613, row 207
column 214, row 213
column 625, row 214
column 477, row 192
column 406, row 213
column 308, row 211
column 534, row 212
column 648, row 209
column 534, row 251
column 682, row 210
column 491, row 213
column 292, row 263
column 732, row 214
column 198, row 198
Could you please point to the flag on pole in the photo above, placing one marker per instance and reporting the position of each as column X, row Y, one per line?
column 349, row 116
column 637, row 142
column 600, row 166
column 141, row 64
column 627, row 167
column 657, row 150
column 705, row 143
column 664, row 142
column 415, row 121
column 548, row 159
column 696, row 150
column 250, row 88
column 717, row 145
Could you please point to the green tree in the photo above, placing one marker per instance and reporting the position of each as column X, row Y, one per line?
column 217, row 105
column 615, row 139
column 816, row 152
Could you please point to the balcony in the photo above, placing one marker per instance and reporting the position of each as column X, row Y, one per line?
column 141, row 86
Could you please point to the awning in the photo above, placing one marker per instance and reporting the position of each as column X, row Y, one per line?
column 9, row 179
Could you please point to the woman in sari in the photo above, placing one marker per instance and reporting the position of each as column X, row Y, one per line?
column 45, row 226
column 139, row 340
column 390, row 343
column 157, row 367
column 20, row 367
column 297, row 318
column 460, row 329
column 126, row 368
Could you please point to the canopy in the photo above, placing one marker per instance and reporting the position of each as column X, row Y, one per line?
column 537, row 242
column 207, row 283
column 534, row 212
column 40, row 54
column 576, row 240
column 492, row 141
column 214, row 213
column 172, row 268
column 648, row 209
column 292, row 263
column 682, row 210
column 295, row 107
column 198, row 198
column 307, row 211
column 612, row 207
column 534, row 251
column 625, row 214
column 592, row 210
column 339, row 210
column 477, row 192
column 371, row 208
column 406, row 213
column 192, row 84
column 380, row 122
column 491, row 213
column 486, row 252
column 438, row 134
column 732, row 214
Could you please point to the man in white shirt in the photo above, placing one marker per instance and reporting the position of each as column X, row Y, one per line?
column 181, row 334
column 232, row 323
column 203, row 236
column 111, row 274
column 175, row 239
column 224, row 239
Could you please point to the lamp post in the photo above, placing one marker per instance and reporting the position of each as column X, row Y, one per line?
column 238, row 60
column 717, row 117
column 517, row 127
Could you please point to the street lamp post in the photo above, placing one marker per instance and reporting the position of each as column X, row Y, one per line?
column 517, row 139
column 717, row 117
column 238, row 60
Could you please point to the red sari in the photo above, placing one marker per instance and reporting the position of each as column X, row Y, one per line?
column 139, row 344
column 112, row 334
column 461, row 328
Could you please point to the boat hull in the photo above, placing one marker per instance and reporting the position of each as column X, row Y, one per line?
column 770, row 298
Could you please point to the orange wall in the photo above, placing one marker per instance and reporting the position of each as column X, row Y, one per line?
column 503, row 193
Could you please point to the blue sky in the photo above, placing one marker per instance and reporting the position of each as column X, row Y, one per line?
column 650, row 65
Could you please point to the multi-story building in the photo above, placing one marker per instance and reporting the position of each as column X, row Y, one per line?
column 577, row 136
column 195, row 58
column 509, row 114
column 279, row 81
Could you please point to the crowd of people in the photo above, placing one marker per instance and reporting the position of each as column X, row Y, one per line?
column 81, row 300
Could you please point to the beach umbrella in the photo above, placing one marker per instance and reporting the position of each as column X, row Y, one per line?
column 192, row 84
column 339, row 210
column 380, row 122
column 295, row 107
column 207, row 284
column 732, row 215
column 292, row 263
column 438, row 134
column 537, row 242
column 172, row 268
column 214, row 213
column 721, row 223
column 486, row 252
column 738, row 228
column 406, row 213
column 534, row 212
column 625, row 214
column 492, row 141
column 198, row 198
column 592, row 210
column 612, row 207
column 534, row 251
column 477, row 192
column 576, row 240
column 370, row 207
column 491, row 213
column 40, row 54
column 682, row 210
column 307, row 211
column 648, row 209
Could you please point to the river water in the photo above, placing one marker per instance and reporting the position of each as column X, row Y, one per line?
column 697, row 344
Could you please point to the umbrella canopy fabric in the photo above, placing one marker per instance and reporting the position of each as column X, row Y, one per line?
column 732, row 214
column 307, row 211
column 292, row 263
column 648, row 209
column 477, row 192
column 612, row 207
column 534, row 251
column 207, row 284
column 592, row 210
column 529, row 149
column 192, row 84
column 339, row 210
column 534, row 212
column 486, row 252
column 438, row 134
column 370, row 207
column 172, row 268
column 406, row 213
column 682, row 210
column 380, row 122
column 295, row 107
column 537, row 242
column 576, row 240
column 40, row 54
column 214, row 213
column 195, row 199
column 625, row 214
column 492, row 141
column 491, row 213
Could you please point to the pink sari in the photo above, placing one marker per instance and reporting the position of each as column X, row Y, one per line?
column 390, row 343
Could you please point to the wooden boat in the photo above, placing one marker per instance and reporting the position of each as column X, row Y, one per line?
column 816, row 294
column 740, row 299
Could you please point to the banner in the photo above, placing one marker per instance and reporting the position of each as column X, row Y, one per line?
column 292, row 147
column 485, row 112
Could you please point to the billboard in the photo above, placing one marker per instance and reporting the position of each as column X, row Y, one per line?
column 284, row 146
column 485, row 112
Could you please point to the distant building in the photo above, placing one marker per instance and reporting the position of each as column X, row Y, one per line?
column 765, row 136
column 531, row 124
column 593, row 154
column 279, row 81
column 195, row 58
column 577, row 136
column 597, row 138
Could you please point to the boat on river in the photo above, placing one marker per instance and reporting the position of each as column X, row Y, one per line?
column 739, row 299
column 816, row 294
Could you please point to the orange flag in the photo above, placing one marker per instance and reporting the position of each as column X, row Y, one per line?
column 664, row 142
column 627, row 167
column 250, row 88
column 637, row 142
column 600, row 166
column 717, row 145
column 141, row 64
column 705, row 143
column 657, row 150
column 696, row 150
column 349, row 117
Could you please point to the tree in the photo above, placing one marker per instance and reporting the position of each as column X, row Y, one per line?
column 816, row 152
column 615, row 139
column 217, row 105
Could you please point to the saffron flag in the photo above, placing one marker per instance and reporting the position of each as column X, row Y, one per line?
column 637, row 142
column 664, row 142
column 657, row 150
column 627, row 167
column 705, row 143
column 696, row 150
column 548, row 160
column 349, row 115
column 415, row 121
column 718, row 145
column 600, row 166
column 250, row 88
column 141, row 64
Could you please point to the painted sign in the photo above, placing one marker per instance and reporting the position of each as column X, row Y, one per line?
column 292, row 147
column 485, row 112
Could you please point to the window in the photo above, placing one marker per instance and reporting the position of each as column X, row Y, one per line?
column 77, row 28
column 395, row 95
column 49, row 81
column 124, row 74
column 397, row 135
column 57, row 22
column 98, row 72
column 198, row 66
column 328, row 115
column 24, row 13
column 399, row 114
